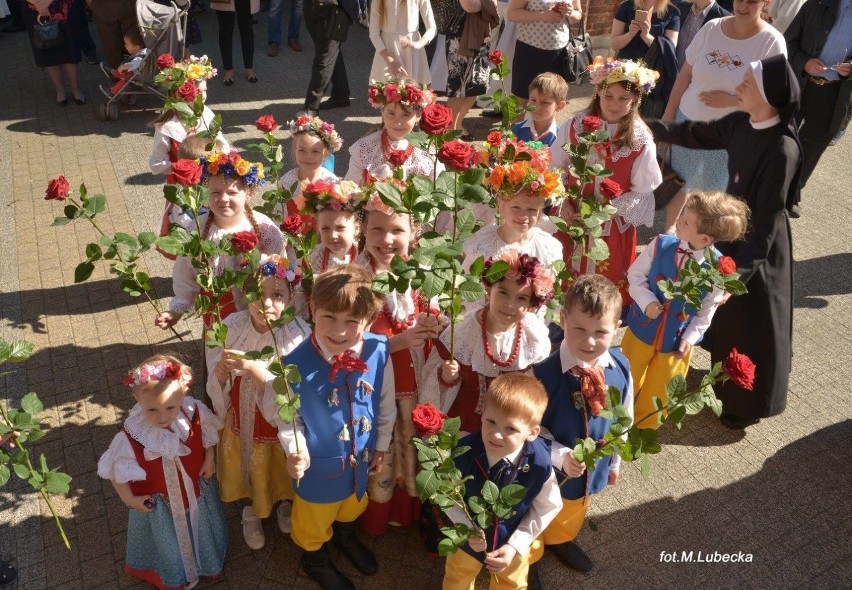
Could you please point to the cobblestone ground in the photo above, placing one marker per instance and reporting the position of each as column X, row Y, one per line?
column 780, row 491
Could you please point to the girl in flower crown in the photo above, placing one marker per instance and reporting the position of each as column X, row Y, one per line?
column 314, row 143
column 161, row 465
column 629, row 153
column 231, row 181
column 524, row 187
column 336, row 205
column 252, row 464
column 506, row 336
column 405, row 319
column 378, row 154
column 184, row 81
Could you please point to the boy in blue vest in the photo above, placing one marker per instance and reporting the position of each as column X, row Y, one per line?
column 660, row 335
column 344, row 424
column 508, row 450
column 576, row 378
column 548, row 96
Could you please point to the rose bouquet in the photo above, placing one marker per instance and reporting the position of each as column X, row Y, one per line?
column 694, row 280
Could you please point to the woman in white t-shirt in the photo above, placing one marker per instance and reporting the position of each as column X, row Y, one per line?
column 705, row 91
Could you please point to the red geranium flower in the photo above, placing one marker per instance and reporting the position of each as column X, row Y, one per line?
column 244, row 241
column 427, row 419
column 740, row 369
column 727, row 265
column 57, row 189
column 266, row 123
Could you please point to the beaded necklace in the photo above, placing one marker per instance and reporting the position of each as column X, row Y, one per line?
column 516, row 344
column 392, row 156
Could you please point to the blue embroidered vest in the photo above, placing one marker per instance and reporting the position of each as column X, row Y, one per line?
column 567, row 423
column 533, row 469
column 524, row 133
column 340, row 420
column 664, row 332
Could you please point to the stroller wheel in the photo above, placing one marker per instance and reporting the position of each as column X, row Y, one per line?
column 103, row 112
column 128, row 99
column 108, row 111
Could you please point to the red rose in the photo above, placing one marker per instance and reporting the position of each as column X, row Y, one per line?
column 740, row 369
column 318, row 187
column 187, row 92
column 457, row 155
column 186, row 172
column 165, row 61
column 292, row 224
column 427, row 419
column 57, row 189
column 266, row 123
column 244, row 241
column 610, row 188
column 391, row 92
column 496, row 57
column 128, row 380
column 494, row 138
column 727, row 266
column 592, row 123
column 173, row 371
column 436, row 119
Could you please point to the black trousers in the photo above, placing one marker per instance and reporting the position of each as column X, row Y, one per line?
column 328, row 67
column 242, row 14
column 817, row 131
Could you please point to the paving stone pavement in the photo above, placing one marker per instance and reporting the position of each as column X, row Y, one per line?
column 780, row 491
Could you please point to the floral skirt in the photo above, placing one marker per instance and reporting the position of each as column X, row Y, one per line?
column 466, row 76
column 153, row 553
column 270, row 482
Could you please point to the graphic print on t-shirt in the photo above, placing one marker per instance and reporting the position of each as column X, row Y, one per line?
column 724, row 60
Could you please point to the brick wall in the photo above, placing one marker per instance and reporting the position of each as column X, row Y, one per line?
column 600, row 14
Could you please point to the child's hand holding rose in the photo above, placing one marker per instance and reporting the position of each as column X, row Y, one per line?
column 477, row 541
column 571, row 467
column 297, row 464
column 498, row 560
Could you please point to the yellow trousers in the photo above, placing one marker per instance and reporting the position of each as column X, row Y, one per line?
column 651, row 371
column 312, row 521
column 565, row 527
column 462, row 569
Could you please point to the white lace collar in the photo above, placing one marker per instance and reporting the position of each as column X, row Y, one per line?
column 641, row 136
column 162, row 442
column 469, row 349
column 770, row 122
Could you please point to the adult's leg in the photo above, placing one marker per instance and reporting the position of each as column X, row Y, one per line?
column 297, row 9
column 273, row 36
column 72, row 73
column 55, row 73
column 818, row 103
column 339, row 79
column 87, row 44
column 226, row 40
column 243, row 12
column 127, row 17
column 109, row 30
column 460, row 107
column 673, row 209
column 325, row 58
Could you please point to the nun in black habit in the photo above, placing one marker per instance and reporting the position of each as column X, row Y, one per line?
column 764, row 158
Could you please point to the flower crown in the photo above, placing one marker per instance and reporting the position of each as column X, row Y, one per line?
column 527, row 271
column 280, row 268
column 522, row 167
column 373, row 202
column 336, row 195
column 232, row 165
column 173, row 74
column 316, row 126
column 635, row 73
column 157, row 372
column 408, row 93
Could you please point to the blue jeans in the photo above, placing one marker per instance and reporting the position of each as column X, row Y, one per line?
column 295, row 25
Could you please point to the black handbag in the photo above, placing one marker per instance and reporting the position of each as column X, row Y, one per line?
column 337, row 24
column 672, row 183
column 577, row 56
column 47, row 34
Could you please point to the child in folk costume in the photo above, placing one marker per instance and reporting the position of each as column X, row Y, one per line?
column 314, row 143
column 251, row 462
column 661, row 334
column 231, row 181
column 548, row 95
column 378, row 154
column 406, row 320
column 343, row 427
column 630, row 154
column 394, row 32
column 505, row 336
column 523, row 188
column 336, row 206
column 576, row 378
column 161, row 465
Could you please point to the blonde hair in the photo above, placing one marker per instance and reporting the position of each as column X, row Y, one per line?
column 194, row 146
column 518, row 395
column 660, row 6
column 551, row 85
column 157, row 387
column 627, row 126
column 719, row 215
column 595, row 295
column 346, row 289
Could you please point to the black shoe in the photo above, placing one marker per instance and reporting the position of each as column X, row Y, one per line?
column 8, row 573
column 737, row 422
column 533, row 580
column 330, row 103
column 571, row 555
column 62, row 103
column 107, row 71
column 346, row 540
column 795, row 212
column 318, row 566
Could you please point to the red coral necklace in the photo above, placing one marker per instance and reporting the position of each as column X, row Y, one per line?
column 516, row 345
column 392, row 156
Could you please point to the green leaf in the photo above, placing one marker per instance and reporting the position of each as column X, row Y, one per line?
column 4, row 474
column 83, row 271
column 512, row 494
column 497, row 271
column 96, row 204
column 57, row 482
column 15, row 352
column 31, row 404
column 21, row 470
column 446, row 547
column 60, row 221
column 490, row 492
column 477, row 504
column 427, row 484
column 471, row 291
column 93, row 251
column 483, row 519
column 676, row 387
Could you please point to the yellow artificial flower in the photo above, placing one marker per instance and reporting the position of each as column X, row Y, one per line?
column 242, row 167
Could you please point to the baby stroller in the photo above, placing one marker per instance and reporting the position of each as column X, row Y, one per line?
column 163, row 27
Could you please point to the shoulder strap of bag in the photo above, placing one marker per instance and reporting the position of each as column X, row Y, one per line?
column 582, row 24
